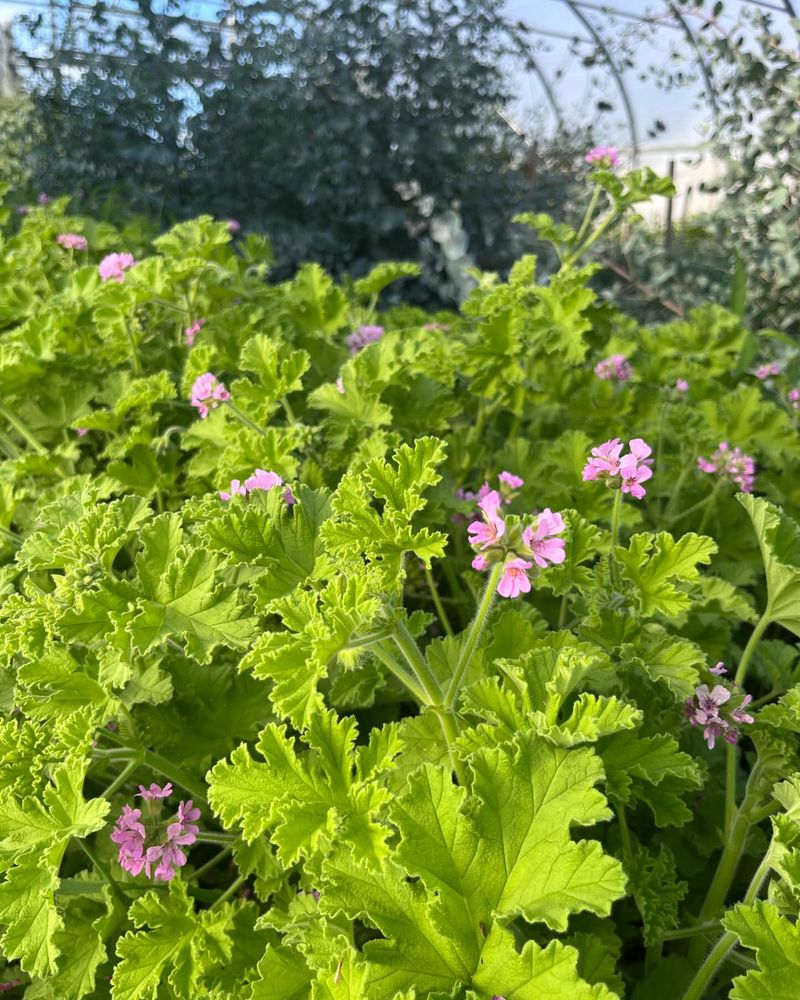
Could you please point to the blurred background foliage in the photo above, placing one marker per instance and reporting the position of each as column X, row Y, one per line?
column 350, row 131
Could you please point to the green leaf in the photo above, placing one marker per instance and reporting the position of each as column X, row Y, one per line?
column 532, row 974
column 283, row 975
column 655, row 564
column 178, row 948
column 776, row 942
column 182, row 596
column 382, row 275
column 779, row 540
column 309, row 801
column 27, row 907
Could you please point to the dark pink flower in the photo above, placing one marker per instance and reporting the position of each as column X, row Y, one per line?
column 156, row 850
column 682, row 385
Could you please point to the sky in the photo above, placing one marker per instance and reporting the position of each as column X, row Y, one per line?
column 683, row 111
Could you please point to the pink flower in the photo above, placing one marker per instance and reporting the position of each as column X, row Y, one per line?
column 22, row 210
column 114, row 265
column 794, row 398
column 44, row 198
column 262, row 480
column 710, row 709
column 480, row 562
column 682, row 385
column 129, row 835
column 603, row 156
column 616, row 367
column 142, row 848
column 606, row 462
column 233, row 226
column 191, row 332
column 155, row 791
column 208, row 393
column 764, row 371
column 633, row 475
column 362, row 336
column 733, row 463
column 72, row 241
column 514, row 580
column 510, row 480
column 486, row 532
column 719, row 669
column 289, row 497
column 81, row 431
column 237, row 489
column 469, row 495
column 340, row 385
column 544, row 546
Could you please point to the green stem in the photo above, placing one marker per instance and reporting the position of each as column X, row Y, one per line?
column 228, row 892
column 243, row 417
column 562, row 612
column 288, row 411
column 710, row 506
column 22, row 430
column 215, row 837
column 708, row 970
column 370, row 639
column 760, row 627
column 672, row 503
column 122, row 777
column 615, row 514
column 589, row 214
column 688, row 932
column 405, row 678
column 137, row 366
column 418, row 663
column 437, row 602
column 731, row 854
column 624, row 833
column 447, row 721
column 468, row 649
column 581, row 249
column 104, row 871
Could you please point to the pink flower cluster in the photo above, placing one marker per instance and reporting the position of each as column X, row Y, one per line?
column 207, row 393
column 362, row 336
column 114, row 265
column 616, row 368
column 764, row 371
column 72, row 241
column 794, row 398
column 191, row 332
column 233, row 226
column 625, row 472
column 682, row 385
column 260, row 480
column 603, row 156
column 711, row 709
column 538, row 543
column 152, row 846
column 733, row 463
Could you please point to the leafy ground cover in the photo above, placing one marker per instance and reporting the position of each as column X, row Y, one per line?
column 350, row 653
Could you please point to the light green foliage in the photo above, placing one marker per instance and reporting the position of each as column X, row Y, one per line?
column 776, row 943
column 656, row 564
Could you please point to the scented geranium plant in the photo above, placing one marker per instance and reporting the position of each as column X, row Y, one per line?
column 454, row 660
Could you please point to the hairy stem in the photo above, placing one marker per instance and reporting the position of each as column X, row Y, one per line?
column 615, row 514
column 475, row 629
column 22, row 430
column 403, row 675
column 242, row 417
column 419, row 665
